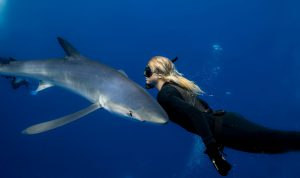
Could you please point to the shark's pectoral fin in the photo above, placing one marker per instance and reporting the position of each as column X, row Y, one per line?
column 49, row 125
column 42, row 86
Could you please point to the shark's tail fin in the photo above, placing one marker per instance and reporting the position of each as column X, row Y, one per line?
column 14, row 81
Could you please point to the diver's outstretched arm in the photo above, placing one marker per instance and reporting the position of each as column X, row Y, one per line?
column 171, row 100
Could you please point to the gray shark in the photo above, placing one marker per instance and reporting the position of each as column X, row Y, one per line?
column 102, row 85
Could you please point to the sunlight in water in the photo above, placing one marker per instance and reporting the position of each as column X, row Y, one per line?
column 2, row 2
column 2, row 5
column 196, row 158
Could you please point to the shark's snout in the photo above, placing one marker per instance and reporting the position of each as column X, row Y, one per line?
column 159, row 120
column 154, row 117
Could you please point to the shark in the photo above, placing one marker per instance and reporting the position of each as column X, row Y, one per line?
column 103, row 86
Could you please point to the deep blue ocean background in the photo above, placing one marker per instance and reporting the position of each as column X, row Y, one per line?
column 244, row 54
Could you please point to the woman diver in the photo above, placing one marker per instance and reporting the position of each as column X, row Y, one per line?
column 217, row 129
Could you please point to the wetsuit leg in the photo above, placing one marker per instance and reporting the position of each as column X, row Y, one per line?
column 239, row 133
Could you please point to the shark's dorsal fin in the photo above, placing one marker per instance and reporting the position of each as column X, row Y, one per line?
column 123, row 73
column 68, row 48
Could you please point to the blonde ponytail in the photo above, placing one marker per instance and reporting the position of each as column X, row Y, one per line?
column 166, row 68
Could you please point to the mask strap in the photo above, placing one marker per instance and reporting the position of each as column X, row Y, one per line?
column 175, row 59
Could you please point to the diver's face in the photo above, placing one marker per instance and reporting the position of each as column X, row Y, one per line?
column 150, row 76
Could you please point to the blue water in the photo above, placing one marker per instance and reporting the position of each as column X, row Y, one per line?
column 244, row 54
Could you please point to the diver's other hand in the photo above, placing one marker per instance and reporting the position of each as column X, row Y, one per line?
column 216, row 157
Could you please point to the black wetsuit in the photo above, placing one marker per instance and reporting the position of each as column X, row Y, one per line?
column 226, row 128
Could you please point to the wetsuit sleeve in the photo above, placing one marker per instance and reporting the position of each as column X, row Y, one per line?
column 171, row 100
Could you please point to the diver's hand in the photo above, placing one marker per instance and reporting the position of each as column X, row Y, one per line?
column 219, row 112
column 215, row 155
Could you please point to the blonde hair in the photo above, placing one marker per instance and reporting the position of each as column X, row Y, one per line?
column 165, row 67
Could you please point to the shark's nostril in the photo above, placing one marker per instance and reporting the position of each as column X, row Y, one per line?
column 130, row 114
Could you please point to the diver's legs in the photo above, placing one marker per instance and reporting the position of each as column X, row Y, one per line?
column 238, row 133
